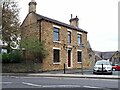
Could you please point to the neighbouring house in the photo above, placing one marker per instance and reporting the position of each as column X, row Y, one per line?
column 106, row 55
column 112, row 56
column 91, row 54
column 97, row 57
column 115, row 58
column 65, row 43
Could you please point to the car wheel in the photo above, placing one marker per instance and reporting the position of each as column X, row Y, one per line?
column 113, row 69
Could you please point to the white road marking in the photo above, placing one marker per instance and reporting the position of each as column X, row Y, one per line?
column 30, row 84
column 91, row 87
column 49, row 86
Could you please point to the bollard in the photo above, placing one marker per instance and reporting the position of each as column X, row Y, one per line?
column 102, row 68
column 82, row 68
column 64, row 68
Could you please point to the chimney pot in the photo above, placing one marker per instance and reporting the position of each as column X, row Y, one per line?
column 74, row 21
column 32, row 6
column 71, row 16
column 32, row 0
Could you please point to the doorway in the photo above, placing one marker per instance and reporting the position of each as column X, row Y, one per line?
column 69, row 58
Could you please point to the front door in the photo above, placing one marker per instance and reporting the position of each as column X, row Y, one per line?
column 69, row 58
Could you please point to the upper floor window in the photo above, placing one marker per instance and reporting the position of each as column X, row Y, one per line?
column 79, row 38
column 69, row 37
column 56, row 34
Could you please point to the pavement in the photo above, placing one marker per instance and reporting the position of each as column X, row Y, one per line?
column 74, row 73
column 77, row 76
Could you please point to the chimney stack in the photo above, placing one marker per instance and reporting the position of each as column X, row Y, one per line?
column 71, row 16
column 74, row 21
column 32, row 6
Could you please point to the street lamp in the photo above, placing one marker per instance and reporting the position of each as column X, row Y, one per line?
column 82, row 46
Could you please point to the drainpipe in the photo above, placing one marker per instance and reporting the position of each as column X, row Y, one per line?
column 39, row 22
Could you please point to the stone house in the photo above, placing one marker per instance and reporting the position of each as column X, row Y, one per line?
column 115, row 58
column 66, row 44
column 112, row 56
column 91, row 54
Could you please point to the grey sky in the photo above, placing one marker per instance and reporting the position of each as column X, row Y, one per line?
column 98, row 17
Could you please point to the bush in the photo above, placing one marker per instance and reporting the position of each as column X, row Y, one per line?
column 34, row 48
column 13, row 57
column 5, row 58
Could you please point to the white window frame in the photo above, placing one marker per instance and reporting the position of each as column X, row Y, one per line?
column 81, row 56
column 59, row 55
column 79, row 33
column 77, row 36
column 70, row 37
column 56, row 26
column 69, row 30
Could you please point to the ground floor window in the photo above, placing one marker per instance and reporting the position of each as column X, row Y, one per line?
column 79, row 54
column 56, row 55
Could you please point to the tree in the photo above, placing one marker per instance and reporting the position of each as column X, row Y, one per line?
column 10, row 23
column 0, row 19
column 0, row 14
column 34, row 48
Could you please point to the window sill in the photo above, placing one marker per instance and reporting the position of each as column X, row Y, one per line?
column 57, row 41
column 69, row 67
column 79, row 62
column 69, row 46
column 57, row 63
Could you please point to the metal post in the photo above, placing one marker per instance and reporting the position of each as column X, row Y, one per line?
column 82, row 68
column 64, row 68
column 102, row 68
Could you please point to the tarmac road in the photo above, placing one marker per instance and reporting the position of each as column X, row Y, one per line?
column 58, row 82
column 72, row 79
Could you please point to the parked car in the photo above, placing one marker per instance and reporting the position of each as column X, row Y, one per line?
column 116, row 67
column 107, row 67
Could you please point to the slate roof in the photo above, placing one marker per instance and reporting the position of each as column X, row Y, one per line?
column 88, row 45
column 117, row 52
column 40, row 17
column 106, row 55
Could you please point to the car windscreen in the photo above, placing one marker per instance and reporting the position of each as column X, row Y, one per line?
column 102, row 62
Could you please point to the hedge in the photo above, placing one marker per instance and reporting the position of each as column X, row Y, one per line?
column 13, row 57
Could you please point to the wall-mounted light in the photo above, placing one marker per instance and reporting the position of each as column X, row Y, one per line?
column 64, row 46
column 82, row 46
